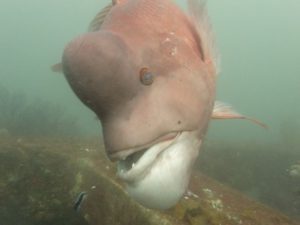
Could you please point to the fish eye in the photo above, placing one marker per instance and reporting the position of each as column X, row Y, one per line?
column 146, row 77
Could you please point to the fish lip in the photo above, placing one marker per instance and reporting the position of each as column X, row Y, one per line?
column 123, row 154
column 143, row 164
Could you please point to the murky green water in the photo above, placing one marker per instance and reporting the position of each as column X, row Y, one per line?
column 260, row 76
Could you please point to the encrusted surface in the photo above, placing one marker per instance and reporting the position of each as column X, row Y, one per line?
column 41, row 178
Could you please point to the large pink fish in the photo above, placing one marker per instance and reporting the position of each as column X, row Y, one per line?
column 148, row 71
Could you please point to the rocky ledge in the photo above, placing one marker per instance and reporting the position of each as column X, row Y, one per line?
column 41, row 178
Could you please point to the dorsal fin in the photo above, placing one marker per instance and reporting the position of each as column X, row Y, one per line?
column 98, row 20
column 200, row 19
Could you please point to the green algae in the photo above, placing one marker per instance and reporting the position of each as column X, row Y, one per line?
column 44, row 176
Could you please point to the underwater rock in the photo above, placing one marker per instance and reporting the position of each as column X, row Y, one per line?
column 41, row 179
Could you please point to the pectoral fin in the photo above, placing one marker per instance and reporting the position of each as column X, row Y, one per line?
column 225, row 111
column 57, row 68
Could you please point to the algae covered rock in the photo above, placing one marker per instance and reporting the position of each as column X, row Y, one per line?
column 41, row 179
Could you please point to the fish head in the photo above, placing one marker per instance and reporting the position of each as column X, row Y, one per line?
column 153, row 93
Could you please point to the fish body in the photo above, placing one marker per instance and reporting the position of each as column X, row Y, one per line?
column 79, row 201
column 137, row 34
column 148, row 71
column 150, row 79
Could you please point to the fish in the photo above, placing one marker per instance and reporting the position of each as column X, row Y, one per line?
column 79, row 200
column 148, row 70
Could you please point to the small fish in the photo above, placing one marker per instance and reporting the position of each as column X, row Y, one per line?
column 79, row 200
column 148, row 70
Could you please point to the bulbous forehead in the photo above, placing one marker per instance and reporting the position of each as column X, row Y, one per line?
column 100, row 70
column 142, row 75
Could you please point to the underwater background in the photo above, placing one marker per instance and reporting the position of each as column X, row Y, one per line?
column 258, row 41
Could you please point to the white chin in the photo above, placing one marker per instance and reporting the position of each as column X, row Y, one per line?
column 159, row 178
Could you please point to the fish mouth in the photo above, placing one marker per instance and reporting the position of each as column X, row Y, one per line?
column 139, row 161
column 123, row 154
column 158, row 176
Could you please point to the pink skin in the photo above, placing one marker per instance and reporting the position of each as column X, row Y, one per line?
column 103, row 68
column 149, row 75
column 148, row 71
